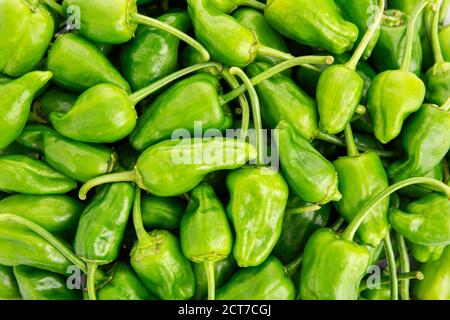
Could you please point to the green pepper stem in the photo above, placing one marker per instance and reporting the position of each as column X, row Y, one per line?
column 256, row 111
column 245, row 109
column 361, row 110
column 90, row 280
column 275, row 70
column 52, row 4
column 404, row 266
column 352, row 151
column 304, row 209
column 349, row 233
column 253, row 4
column 47, row 236
column 294, row 266
column 138, row 224
column 137, row 18
column 139, row 95
column 417, row 275
column 271, row 52
column 209, row 270
column 406, row 63
column 390, row 257
column 368, row 36
column 125, row 176
column 435, row 43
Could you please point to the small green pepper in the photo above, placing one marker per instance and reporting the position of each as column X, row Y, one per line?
column 268, row 281
column 162, row 213
column 36, row 284
column 17, row 96
column 54, row 99
column 78, row 65
column 425, row 253
column 381, row 293
column 8, row 284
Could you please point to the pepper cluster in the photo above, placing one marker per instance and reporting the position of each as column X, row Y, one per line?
column 337, row 165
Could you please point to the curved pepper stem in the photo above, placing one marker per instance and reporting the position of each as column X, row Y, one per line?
column 415, row 275
column 47, row 236
column 139, row 95
column 349, row 233
column 435, row 43
column 368, row 36
column 352, row 151
column 209, row 270
column 138, row 224
column 90, row 280
column 151, row 22
column 298, row 61
column 392, row 266
column 55, row 6
column 404, row 266
column 125, row 176
column 256, row 111
column 410, row 34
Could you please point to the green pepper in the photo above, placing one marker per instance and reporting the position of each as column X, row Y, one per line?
column 24, row 41
column 390, row 48
column 78, row 65
column 425, row 253
column 22, row 174
column 223, row 270
column 381, row 293
column 36, row 284
column 395, row 94
column 436, row 282
column 298, row 226
column 124, row 285
column 17, row 96
column 152, row 253
column 340, row 87
column 315, row 23
column 162, row 213
column 59, row 214
column 268, row 281
column 311, row 176
column 8, row 284
column 425, row 221
column 444, row 34
column 168, row 168
column 153, row 53
column 229, row 6
column 426, row 140
column 205, row 233
column 54, row 99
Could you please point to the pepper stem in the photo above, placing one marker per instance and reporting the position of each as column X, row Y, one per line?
column 137, row 18
column 256, row 111
column 52, row 4
column 404, row 266
column 352, row 151
column 47, row 236
column 406, row 63
column 350, row 231
column 90, row 280
column 304, row 209
column 209, row 270
column 107, row 178
column 298, row 61
column 138, row 224
column 392, row 266
column 417, row 275
column 435, row 43
column 368, row 36
column 139, row 95
column 253, row 4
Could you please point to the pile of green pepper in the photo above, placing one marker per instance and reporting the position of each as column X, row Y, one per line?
column 334, row 184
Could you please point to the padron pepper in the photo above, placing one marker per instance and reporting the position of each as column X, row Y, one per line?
column 8, row 284
column 425, row 253
column 54, row 99
column 162, row 212
column 205, row 233
column 37, row 284
column 340, row 87
column 316, row 23
column 268, row 281
column 78, row 65
column 17, row 96
column 152, row 253
column 22, row 174
column 395, row 94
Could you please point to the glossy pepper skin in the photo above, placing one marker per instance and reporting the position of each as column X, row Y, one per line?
column 162, row 213
column 360, row 178
column 382, row 293
column 282, row 99
column 124, row 285
column 425, row 221
column 21, row 174
column 37, row 284
column 150, row 260
column 54, row 99
column 318, row 282
column 297, row 228
column 102, row 224
column 310, row 176
column 425, row 253
column 24, row 41
column 153, row 53
column 258, row 198
column 418, row 191
column 78, row 65
column 426, row 141
column 436, row 282
column 444, row 35
column 267, row 281
column 16, row 98
column 315, row 23
column 437, row 81
column 168, row 112
column 8, row 284
column 58, row 214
